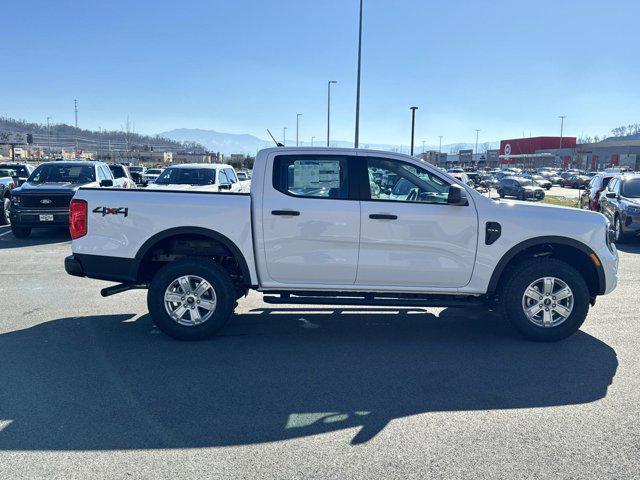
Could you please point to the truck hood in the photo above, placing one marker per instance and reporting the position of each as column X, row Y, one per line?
column 27, row 187
column 541, row 212
column 182, row 187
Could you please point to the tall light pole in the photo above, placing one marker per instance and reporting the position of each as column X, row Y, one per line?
column 358, row 80
column 423, row 142
column 561, row 117
column 298, row 115
column 312, row 139
column 329, row 107
column 75, row 109
column 413, row 125
column 284, row 136
column 49, row 135
column 477, row 131
column 440, row 144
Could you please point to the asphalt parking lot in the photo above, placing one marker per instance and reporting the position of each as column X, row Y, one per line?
column 88, row 387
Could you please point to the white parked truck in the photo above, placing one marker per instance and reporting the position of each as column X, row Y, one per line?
column 320, row 228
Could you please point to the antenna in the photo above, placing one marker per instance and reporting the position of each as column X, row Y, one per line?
column 278, row 144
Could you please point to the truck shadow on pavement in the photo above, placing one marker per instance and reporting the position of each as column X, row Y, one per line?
column 115, row 382
column 38, row 237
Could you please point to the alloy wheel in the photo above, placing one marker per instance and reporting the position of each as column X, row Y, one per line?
column 190, row 300
column 547, row 302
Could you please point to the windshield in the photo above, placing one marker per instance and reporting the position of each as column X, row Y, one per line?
column 525, row 183
column 154, row 171
column 631, row 188
column 52, row 173
column 135, row 169
column 187, row 176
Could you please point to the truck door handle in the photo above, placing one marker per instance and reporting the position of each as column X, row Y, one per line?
column 291, row 213
column 383, row 216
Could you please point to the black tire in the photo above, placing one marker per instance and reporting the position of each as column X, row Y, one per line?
column 4, row 211
column 517, row 280
column 501, row 193
column 207, row 269
column 20, row 232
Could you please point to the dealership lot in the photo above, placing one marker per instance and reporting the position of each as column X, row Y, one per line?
column 90, row 387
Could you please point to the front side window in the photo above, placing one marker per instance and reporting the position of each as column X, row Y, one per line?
column 231, row 175
column 307, row 176
column 118, row 171
column 404, row 182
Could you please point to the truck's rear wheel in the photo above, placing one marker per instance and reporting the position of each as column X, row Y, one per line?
column 191, row 299
column 545, row 299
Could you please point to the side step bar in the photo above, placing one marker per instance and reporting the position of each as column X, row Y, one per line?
column 373, row 300
column 123, row 287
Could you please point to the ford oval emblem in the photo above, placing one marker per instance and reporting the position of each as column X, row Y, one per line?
column 45, row 201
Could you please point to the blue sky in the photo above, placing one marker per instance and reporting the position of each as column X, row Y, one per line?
column 241, row 66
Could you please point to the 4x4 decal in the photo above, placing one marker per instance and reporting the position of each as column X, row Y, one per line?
column 111, row 211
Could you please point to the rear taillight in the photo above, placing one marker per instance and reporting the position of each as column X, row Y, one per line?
column 78, row 218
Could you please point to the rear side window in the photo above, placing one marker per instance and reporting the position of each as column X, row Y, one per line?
column 315, row 177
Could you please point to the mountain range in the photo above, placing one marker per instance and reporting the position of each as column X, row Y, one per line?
column 246, row 144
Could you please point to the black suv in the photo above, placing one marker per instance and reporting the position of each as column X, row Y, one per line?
column 521, row 188
column 621, row 205
column 43, row 200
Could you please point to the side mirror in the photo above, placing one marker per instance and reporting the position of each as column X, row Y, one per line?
column 456, row 196
column 106, row 183
column 611, row 195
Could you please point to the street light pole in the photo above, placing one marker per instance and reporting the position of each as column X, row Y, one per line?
column 312, row 139
column 49, row 135
column 440, row 144
column 477, row 131
column 413, row 125
column 298, row 115
column 358, row 80
column 561, row 117
column 284, row 136
column 329, row 107
column 423, row 142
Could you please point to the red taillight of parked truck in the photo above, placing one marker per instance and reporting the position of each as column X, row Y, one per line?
column 78, row 218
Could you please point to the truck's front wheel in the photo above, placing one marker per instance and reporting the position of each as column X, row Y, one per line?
column 191, row 299
column 545, row 299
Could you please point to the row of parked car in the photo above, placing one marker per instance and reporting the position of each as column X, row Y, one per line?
column 35, row 197
column 617, row 197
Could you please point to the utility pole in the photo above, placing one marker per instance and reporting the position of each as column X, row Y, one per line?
column 440, row 144
column 298, row 115
column 413, row 125
column 49, row 135
column 358, row 79
column 75, row 110
column 561, row 117
column 329, row 107
column 284, row 136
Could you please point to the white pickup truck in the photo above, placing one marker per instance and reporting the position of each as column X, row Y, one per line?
column 321, row 227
